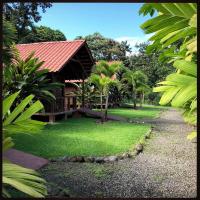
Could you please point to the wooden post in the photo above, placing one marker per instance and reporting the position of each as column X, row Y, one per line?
column 51, row 118
column 74, row 102
column 68, row 103
column 83, row 93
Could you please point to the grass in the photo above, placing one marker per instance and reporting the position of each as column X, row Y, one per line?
column 147, row 111
column 82, row 136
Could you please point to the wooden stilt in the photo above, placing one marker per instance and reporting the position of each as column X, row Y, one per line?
column 51, row 118
column 83, row 93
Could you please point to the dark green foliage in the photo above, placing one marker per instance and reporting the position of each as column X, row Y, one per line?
column 23, row 15
column 9, row 36
column 24, row 75
column 150, row 65
column 134, row 84
column 19, row 120
column 43, row 34
column 103, row 48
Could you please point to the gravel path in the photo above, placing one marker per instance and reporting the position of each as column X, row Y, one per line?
column 166, row 168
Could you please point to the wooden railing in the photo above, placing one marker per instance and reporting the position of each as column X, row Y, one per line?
column 62, row 104
column 71, row 102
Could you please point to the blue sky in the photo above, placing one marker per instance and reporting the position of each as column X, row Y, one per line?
column 119, row 21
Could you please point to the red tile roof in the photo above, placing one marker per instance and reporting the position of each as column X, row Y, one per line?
column 55, row 54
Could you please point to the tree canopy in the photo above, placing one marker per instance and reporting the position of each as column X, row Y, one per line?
column 23, row 15
column 43, row 34
column 103, row 48
column 149, row 64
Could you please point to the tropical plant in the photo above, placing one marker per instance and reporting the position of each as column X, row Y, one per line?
column 134, row 83
column 23, row 179
column 9, row 36
column 104, row 76
column 25, row 75
column 142, row 90
column 149, row 64
column 176, row 22
column 100, row 84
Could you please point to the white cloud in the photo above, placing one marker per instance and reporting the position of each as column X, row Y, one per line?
column 132, row 41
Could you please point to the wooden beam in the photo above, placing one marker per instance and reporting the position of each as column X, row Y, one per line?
column 84, row 75
column 51, row 118
column 83, row 93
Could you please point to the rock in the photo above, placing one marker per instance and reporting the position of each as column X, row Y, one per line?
column 134, row 153
column 66, row 159
column 89, row 159
column 112, row 158
column 72, row 159
column 59, row 159
column 63, row 158
column 106, row 159
column 139, row 147
column 120, row 157
column 99, row 160
column 125, row 155
column 80, row 159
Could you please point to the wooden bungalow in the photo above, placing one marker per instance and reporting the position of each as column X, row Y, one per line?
column 66, row 61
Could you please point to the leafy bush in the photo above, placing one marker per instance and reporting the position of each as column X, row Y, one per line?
column 25, row 75
column 176, row 22
column 16, row 120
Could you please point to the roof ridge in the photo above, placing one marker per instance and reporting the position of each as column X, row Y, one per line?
column 63, row 41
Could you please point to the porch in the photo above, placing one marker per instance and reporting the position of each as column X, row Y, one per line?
column 61, row 106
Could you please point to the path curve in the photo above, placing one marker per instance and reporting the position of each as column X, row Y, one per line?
column 166, row 168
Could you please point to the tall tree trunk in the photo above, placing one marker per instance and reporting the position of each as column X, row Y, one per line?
column 134, row 99
column 101, row 99
column 106, row 108
column 143, row 98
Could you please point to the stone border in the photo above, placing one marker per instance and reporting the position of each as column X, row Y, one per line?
column 92, row 159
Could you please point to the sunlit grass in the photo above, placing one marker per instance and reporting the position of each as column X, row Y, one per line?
column 147, row 111
column 81, row 136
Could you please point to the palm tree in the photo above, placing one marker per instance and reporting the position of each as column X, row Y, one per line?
column 134, row 82
column 104, row 75
column 99, row 85
column 142, row 90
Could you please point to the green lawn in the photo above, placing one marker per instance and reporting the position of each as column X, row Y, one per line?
column 147, row 111
column 81, row 136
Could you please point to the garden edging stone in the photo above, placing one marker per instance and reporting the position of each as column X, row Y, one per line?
column 135, row 151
